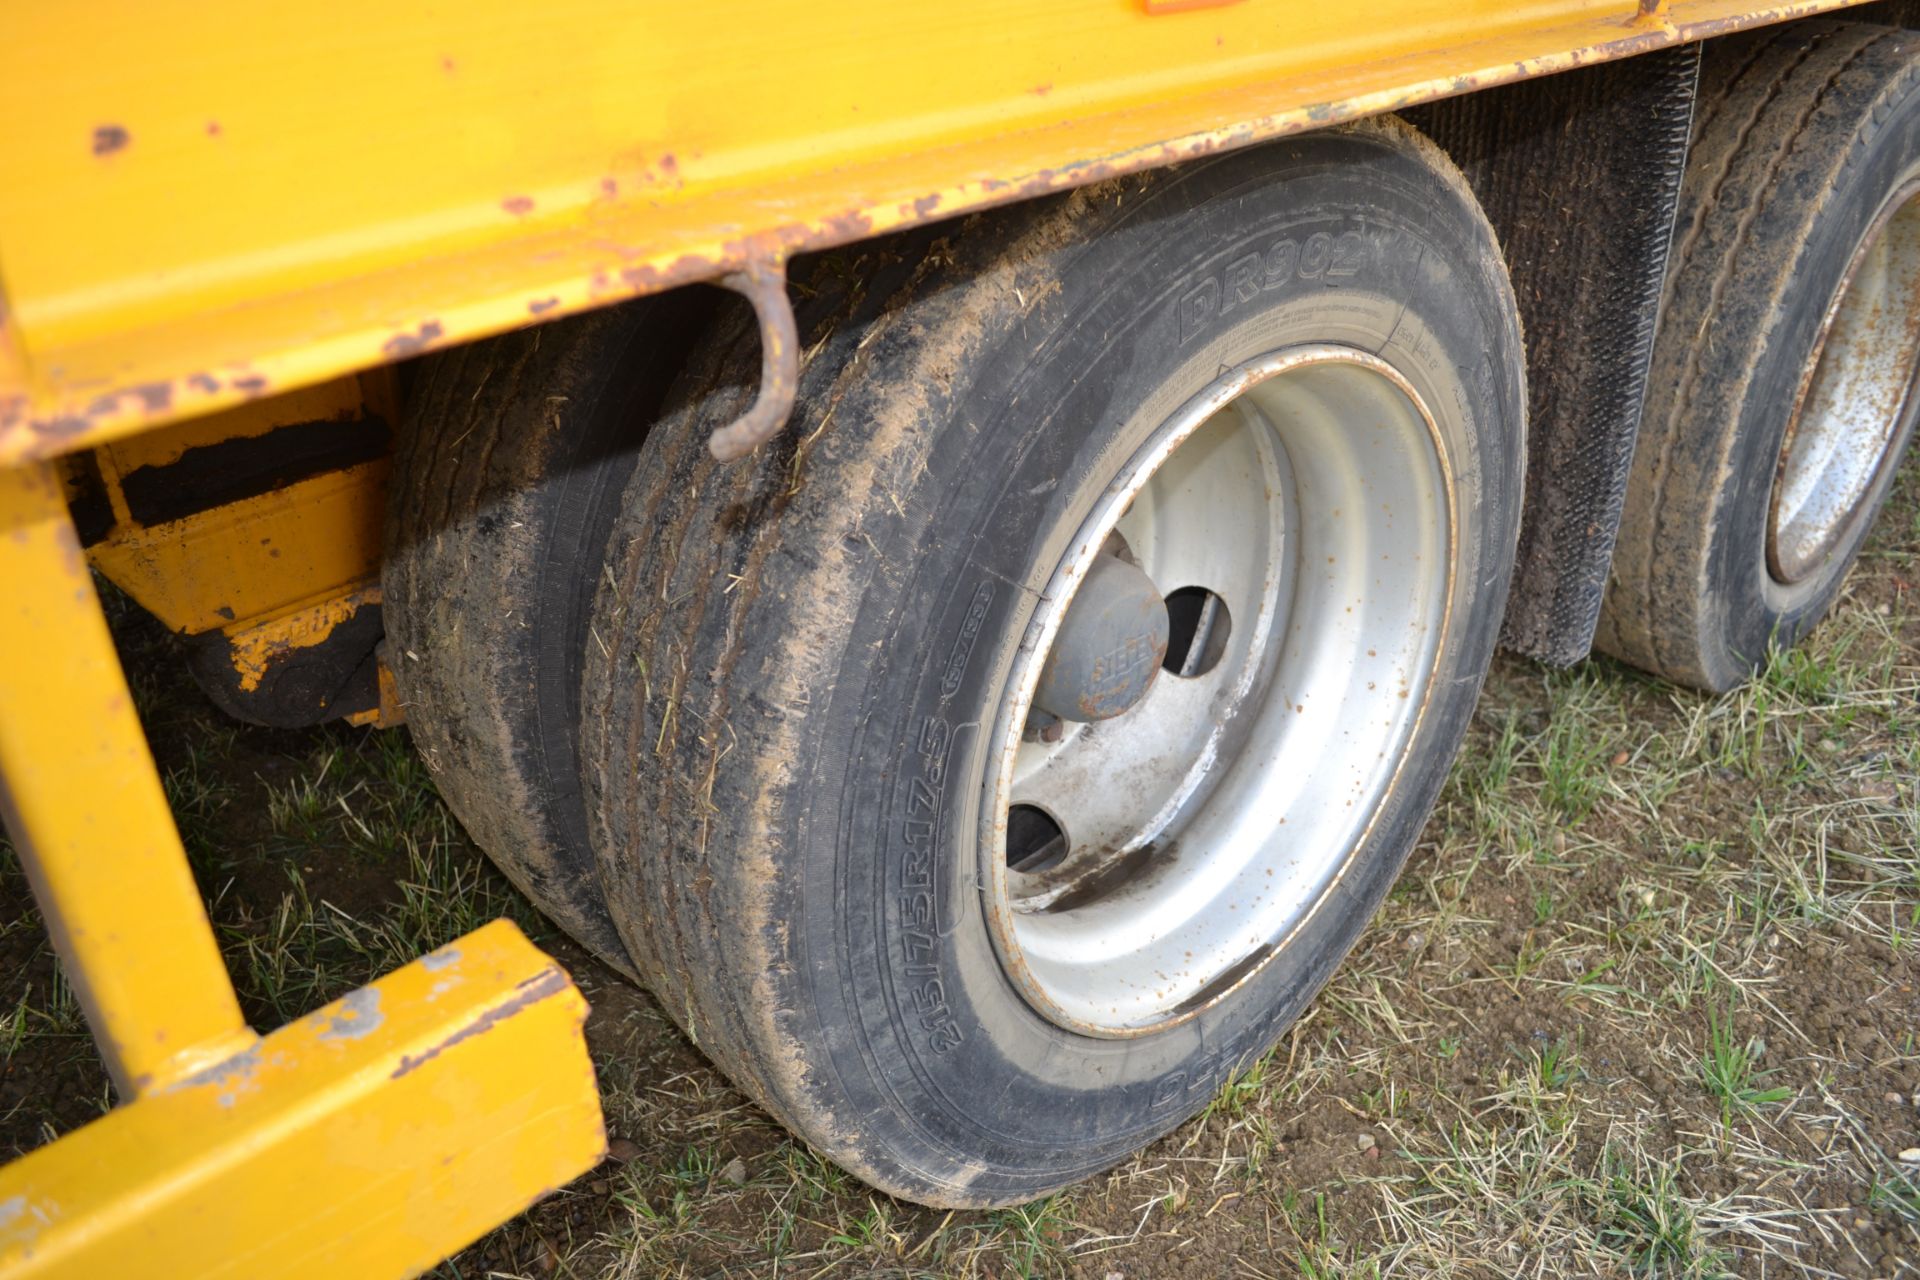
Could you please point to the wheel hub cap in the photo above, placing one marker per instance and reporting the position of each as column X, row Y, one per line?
column 1109, row 648
column 1288, row 563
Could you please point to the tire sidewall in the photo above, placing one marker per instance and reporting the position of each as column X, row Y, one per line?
column 1745, row 610
column 964, row 1092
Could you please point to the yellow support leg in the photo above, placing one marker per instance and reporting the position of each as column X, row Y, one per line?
column 369, row 1139
column 88, row 816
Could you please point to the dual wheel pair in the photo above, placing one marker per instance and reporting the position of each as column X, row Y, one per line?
column 989, row 767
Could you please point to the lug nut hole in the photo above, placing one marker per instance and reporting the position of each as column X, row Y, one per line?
column 1035, row 842
column 1197, row 631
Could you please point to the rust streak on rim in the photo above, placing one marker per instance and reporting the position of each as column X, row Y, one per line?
column 1854, row 403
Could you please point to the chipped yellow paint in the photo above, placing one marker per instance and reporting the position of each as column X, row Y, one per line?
column 193, row 213
column 257, row 647
column 370, row 1139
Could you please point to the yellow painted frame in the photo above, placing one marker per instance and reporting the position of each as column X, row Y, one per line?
column 370, row 1139
column 199, row 204
column 258, row 558
column 89, row 818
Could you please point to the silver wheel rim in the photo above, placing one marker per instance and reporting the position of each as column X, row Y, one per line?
column 1309, row 492
column 1854, row 400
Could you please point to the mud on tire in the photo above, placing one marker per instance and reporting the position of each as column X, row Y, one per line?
column 1804, row 166
column 506, row 479
column 784, row 733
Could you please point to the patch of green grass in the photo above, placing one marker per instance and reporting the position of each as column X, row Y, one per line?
column 1730, row 1068
column 696, row 1167
column 199, row 795
column 1572, row 753
column 863, row 1231
column 1486, row 773
column 370, row 795
column 1815, row 673
column 812, row 1178
column 370, row 800
column 1640, row 1215
column 650, row 1220
column 1555, row 1066
column 1316, row 1249
column 301, row 809
column 443, row 894
column 14, row 1028
column 1897, row 1193
column 1031, row 1236
column 1239, row 1090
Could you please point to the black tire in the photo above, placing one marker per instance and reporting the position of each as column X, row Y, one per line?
column 1804, row 133
column 847, row 602
column 507, row 477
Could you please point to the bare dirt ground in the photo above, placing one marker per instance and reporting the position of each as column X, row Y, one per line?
column 1644, row 1003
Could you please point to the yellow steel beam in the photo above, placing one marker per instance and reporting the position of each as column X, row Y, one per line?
column 199, row 203
column 232, row 562
column 369, row 1139
column 88, row 817
column 258, row 558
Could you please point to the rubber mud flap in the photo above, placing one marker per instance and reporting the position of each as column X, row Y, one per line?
column 1588, row 274
column 784, row 735
column 1803, row 135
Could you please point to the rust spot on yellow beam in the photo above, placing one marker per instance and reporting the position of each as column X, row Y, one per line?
column 402, row 345
column 532, row 990
column 109, row 138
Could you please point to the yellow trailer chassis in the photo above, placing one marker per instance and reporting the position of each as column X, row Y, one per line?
column 239, row 209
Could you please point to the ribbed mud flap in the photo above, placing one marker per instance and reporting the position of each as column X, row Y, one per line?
column 1580, row 174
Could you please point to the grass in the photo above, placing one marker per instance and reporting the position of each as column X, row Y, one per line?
column 1897, row 1193
column 1641, row 1216
column 1643, row 1003
column 1730, row 1070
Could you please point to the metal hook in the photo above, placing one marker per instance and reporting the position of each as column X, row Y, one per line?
column 764, row 284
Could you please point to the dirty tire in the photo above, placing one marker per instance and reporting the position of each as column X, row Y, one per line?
column 782, row 735
column 1803, row 133
column 507, row 476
